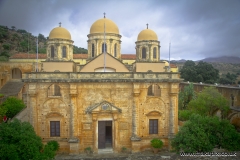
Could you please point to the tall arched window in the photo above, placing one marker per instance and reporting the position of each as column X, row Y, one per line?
column 143, row 53
column 154, row 52
column 154, row 90
column 64, row 54
column 104, row 44
column 93, row 50
column 115, row 50
column 54, row 90
column 52, row 52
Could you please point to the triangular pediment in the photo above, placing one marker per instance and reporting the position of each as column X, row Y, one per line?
column 101, row 107
column 111, row 63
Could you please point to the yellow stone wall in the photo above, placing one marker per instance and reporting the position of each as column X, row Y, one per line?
column 76, row 98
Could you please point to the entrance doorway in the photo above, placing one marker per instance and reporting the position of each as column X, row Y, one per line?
column 104, row 134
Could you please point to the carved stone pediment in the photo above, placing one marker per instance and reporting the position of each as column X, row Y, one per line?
column 101, row 107
column 154, row 113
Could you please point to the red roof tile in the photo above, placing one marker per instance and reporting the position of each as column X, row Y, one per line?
column 173, row 65
column 28, row 56
column 80, row 56
column 128, row 56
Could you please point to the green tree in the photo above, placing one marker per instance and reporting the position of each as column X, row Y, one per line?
column 202, row 134
column 13, row 28
column 11, row 107
column 208, row 101
column 189, row 72
column 202, row 72
column 228, row 79
column 79, row 50
column 186, row 96
column 207, row 72
column 20, row 142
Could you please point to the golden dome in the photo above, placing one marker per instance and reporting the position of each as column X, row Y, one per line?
column 60, row 32
column 147, row 34
column 98, row 26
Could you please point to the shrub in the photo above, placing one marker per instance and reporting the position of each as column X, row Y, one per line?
column 11, row 107
column 202, row 134
column 156, row 143
column 18, row 141
column 55, row 145
column 184, row 115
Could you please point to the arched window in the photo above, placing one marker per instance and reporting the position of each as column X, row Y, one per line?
column 143, row 53
column 154, row 52
column 64, row 54
column 54, row 90
column 104, row 45
column 92, row 50
column 16, row 73
column 154, row 90
column 115, row 50
column 52, row 52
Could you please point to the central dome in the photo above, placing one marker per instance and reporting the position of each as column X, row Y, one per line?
column 147, row 34
column 60, row 33
column 98, row 26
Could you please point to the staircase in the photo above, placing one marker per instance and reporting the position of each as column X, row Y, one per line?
column 12, row 88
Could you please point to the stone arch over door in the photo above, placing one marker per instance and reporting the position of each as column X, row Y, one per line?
column 104, row 112
column 16, row 73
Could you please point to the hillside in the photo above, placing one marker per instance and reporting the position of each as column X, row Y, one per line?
column 19, row 40
column 223, row 59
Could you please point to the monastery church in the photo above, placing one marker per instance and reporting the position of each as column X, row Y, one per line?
column 105, row 103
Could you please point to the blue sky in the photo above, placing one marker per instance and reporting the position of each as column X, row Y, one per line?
column 196, row 28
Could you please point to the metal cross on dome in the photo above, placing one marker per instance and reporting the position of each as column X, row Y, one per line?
column 60, row 24
column 104, row 14
column 147, row 25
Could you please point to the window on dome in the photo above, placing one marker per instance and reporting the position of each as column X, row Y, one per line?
column 154, row 90
column 143, row 53
column 154, row 52
column 115, row 50
column 92, row 50
column 104, row 46
column 64, row 54
column 52, row 51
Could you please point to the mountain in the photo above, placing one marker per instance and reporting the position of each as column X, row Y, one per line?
column 223, row 59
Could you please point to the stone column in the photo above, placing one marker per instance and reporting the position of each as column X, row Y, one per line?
column 73, row 140
column 173, row 122
column 159, row 52
column 116, row 138
column 135, row 139
column 33, row 106
column 150, row 57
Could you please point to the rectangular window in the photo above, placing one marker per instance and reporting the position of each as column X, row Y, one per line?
column 153, row 126
column 55, row 128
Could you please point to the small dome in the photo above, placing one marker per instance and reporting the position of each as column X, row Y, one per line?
column 147, row 34
column 98, row 26
column 60, row 32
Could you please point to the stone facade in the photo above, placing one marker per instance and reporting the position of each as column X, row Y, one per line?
column 79, row 108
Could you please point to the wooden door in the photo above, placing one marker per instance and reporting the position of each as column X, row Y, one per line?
column 101, row 134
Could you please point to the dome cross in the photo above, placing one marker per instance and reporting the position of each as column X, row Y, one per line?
column 147, row 25
column 104, row 14
column 60, row 24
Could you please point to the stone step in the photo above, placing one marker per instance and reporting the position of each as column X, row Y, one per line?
column 12, row 87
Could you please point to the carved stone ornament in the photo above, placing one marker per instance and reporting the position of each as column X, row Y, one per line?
column 73, row 140
column 135, row 138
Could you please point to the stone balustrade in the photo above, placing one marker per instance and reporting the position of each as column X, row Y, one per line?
column 100, row 76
